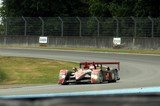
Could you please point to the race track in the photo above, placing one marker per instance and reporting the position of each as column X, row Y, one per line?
column 136, row 70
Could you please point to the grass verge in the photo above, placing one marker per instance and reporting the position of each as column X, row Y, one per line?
column 112, row 50
column 137, row 51
column 3, row 75
column 15, row 70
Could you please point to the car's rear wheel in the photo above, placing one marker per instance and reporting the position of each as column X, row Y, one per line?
column 113, row 78
column 65, row 83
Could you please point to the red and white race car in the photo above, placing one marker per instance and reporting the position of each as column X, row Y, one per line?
column 90, row 72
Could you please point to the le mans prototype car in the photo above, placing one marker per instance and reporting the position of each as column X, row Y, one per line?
column 90, row 72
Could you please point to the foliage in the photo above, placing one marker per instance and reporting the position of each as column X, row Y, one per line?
column 74, row 8
column 3, row 75
column 82, row 8
column 43, row 8
column 98, row 8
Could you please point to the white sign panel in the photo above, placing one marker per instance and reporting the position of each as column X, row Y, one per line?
column 43, row 39
column 117, row 41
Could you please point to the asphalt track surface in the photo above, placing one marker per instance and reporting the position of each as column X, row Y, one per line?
column 136, row 70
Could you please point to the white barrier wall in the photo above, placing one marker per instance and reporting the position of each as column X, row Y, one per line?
column 75, row 41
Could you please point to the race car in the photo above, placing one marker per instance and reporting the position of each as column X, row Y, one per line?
column 90, row 72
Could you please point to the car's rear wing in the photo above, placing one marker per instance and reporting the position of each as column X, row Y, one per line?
column 100, row 63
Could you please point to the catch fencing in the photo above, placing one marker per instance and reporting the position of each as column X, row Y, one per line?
column 135, row 32
column 81, row 26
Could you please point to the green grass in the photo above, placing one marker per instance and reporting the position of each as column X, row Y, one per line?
column 15, row 70
column 99, row 49
column 3, row 76
column 113, row 50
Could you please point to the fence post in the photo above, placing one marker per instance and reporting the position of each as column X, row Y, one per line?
column 135, row 30
column 135, row 26
column 117, row 28
column 61, row 26
column 42, row 25
column 6, row 28
column 80, row 26
column 97, row 26
column 25, row 27
column 152, row 25
column 25, row 30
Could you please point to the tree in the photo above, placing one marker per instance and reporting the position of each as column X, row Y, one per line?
column 83, row 8
column 98, row 8
column 44, row 8
column 125, row 8
column 145, row 8
column 121, row 8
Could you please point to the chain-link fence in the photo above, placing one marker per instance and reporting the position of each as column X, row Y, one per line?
column 81, row 26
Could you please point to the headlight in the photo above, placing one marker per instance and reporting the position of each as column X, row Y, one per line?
column 62, row 76
column 94, row 76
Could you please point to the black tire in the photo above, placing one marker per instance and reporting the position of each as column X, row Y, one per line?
column 65, row 83
column 113, row 78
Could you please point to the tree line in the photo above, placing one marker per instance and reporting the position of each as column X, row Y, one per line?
column 81, row 8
